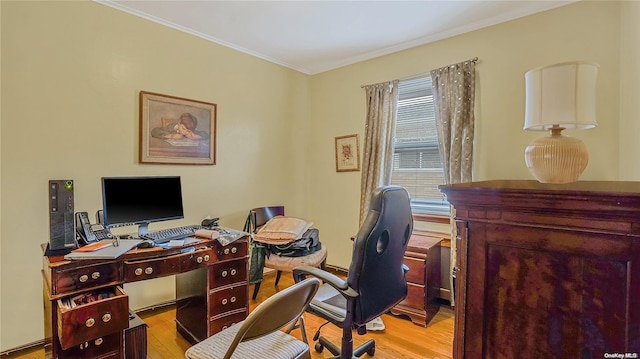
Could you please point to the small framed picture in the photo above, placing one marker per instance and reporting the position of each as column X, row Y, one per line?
column 347, row 153
column 176, row 130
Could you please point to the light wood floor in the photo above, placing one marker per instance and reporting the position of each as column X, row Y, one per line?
column 400, row 339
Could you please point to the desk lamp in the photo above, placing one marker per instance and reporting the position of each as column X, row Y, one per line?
column 558, row 97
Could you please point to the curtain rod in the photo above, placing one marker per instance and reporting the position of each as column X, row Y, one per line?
column 475, row 59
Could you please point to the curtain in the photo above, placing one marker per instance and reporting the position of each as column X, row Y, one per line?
column 382, row 101
column 454, row 97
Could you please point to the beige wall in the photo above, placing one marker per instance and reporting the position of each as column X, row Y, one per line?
column 629, row 91
column 1, row 57
column 581, row 31
column 71, row 74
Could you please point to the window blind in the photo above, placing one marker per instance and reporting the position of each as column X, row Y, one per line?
column 417, row 164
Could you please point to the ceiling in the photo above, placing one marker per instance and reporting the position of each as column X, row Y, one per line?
column 317, row 36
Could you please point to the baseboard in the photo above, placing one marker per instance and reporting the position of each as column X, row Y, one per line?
column 444, row 294
column 37, row 344
column 156, row 306
column 336, row 270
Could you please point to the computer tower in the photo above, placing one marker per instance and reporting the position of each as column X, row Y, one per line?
column 135, row 338
column 61, row 219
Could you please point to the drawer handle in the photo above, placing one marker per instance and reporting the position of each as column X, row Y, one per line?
column 90, row 322
column 106, row 317
column 95, row 275
column 233, row 299
column 224, row 301
column 149, row 270
column 226, row 251
column 224, row 327
column 84, row 346
column 199, row 260
column 233, row 272
column 84, row 278
column 206, row 257
column 138, row 271
column 234, row 250
column 224, row 273
column 99, row 341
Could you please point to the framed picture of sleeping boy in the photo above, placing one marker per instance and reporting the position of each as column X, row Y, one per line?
column 175, row 130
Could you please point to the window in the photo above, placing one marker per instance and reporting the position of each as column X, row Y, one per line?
column 417, row 165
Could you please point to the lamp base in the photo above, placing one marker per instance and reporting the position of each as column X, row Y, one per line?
column 556, row 158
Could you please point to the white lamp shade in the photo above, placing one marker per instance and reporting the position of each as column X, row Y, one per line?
column 561, row 94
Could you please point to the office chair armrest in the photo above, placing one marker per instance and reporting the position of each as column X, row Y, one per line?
column 300, row 273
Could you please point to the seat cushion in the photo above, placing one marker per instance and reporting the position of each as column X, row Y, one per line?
column 282, row 230
column 287, row 264
column 277, row 345
column 329, row 303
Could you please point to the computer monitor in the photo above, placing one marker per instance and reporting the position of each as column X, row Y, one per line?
column 129, row 201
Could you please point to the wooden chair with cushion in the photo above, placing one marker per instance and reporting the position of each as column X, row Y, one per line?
column 261, row 216
column 260, row 335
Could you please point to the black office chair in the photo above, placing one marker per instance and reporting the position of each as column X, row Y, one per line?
column 376, row 279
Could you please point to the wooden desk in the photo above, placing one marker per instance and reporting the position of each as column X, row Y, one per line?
column 423, row 278
column 212, row 292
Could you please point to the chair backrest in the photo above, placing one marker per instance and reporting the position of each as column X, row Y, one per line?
column 376, row 271
column 277, row 311
column 262, row 215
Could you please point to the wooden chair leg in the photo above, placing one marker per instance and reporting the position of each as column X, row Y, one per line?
column 278, row 276
column 256, row 288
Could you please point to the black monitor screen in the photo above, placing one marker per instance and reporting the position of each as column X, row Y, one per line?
column 141, row 200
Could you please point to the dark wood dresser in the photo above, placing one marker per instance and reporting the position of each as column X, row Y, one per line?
column 547, row 271
column 211, row 284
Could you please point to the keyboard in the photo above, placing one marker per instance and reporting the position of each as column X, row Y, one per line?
column 165, row 235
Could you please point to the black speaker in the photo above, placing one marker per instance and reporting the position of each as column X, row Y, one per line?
column 61, row 219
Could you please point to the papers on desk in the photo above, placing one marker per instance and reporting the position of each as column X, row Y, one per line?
column 224, row 236
column 178, row 242
column 207, row 233
column 85, row 298
column 95, row 246
column 106, row 252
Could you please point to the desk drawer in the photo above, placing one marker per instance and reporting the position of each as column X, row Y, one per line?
column 198, row 259
column 415, row 296
column 226, row 273
column 108, row 346
column 151, row 268
column 236, row 249
column 416, row 273
column 102, row 316
column 84, row 278
column 228, row 299
column 221, row 323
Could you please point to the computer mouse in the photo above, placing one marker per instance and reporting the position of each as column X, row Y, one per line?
column 146, row 244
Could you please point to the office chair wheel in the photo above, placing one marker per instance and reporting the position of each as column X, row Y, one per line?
column 319, row 347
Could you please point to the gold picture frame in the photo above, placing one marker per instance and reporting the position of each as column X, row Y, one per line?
column 347, row 153
column 175, row 130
